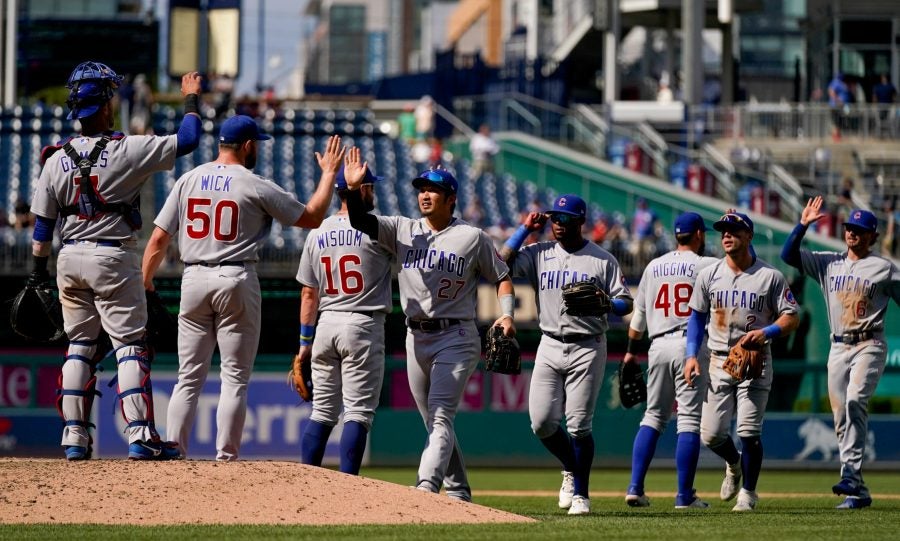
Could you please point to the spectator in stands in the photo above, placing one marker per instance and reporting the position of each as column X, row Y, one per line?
column 474, row 212
column 421, row 154
column 141, row 104
column 483, row 148
column 664, row 93
column 891, row 241
column 424, row 114
column 838, row 98
column 223, row 89
column 845, row 201
column 406, row 121
column 643, row 232
column 884, row 91
column 600, row 230
column 436, row 156
column 24, row 219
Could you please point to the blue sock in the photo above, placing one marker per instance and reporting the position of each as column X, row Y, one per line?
column 727, row 450
column 312, row 445
column 561, row 446
column 353, row 446
column 751, row 461
column 687, row 452
column 583, row 449
column 641, row 455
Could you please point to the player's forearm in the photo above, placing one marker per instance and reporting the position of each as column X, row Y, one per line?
column 790, row 253
column 188, row 136
column 511, row 247
column 506, row 296
column 788, row 323
column 309, row 306
column 154, row 254
column 360, row 219
column 695, row 328
column 319, row 202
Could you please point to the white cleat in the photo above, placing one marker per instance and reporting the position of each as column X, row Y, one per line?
column 732, row 482
column 697, row 503
column 746, row 500
column 580, row 506
column 567, row 491
column 637, row 500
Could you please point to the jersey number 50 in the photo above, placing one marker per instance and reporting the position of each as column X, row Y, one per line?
column 676, row 300
column 225, row 216
column 351, row 279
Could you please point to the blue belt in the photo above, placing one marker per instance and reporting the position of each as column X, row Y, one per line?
column 853, row 337
column 100, row 242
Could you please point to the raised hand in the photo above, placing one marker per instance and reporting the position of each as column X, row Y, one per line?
column 354, row 169
column 812, row 211
column 535, row 221
column 190, row 83
column 330, row 162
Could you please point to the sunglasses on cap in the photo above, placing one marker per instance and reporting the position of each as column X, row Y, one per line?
column 560, row 218
column 735, row 223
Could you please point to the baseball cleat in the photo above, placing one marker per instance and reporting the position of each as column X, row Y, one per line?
column 692, row 502
column 580, row 506
column 855, row 502
column 746, row 500
column 732, row 482
column 636, row 498
column 567, row 491
column 460, row 495
column 846, row 488
column 77, row 452
column 154, row 450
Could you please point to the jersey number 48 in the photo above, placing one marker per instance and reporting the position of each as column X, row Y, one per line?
column 675, row 298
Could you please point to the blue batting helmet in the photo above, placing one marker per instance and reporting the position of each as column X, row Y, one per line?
column 90, row 85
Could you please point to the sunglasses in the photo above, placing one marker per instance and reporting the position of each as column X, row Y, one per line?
column 433, row 177
column 855, row 230
column 562, row 219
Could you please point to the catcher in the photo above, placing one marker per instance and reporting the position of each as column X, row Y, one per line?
column 750, row 304
column 577, row 283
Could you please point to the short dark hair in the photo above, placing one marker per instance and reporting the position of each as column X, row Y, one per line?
column 684, row 239
column 231, row 146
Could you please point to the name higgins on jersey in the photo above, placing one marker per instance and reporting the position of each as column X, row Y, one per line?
column 417, row 258
column 673, row 268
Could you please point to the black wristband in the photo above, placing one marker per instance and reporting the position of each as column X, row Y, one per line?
column 192, row 104
column 631, row 347
column 40, row 263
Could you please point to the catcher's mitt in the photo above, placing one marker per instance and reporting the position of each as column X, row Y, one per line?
column 501, row 353
column 632, row 387
column 300, row 377
column 36, row 313
column 744, row 362
column 161, row 324
column 585, row 298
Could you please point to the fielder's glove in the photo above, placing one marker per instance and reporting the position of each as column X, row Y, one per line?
column 585, row 298
column 160, row 322
column 744, row 361
column 501, row 353
column 300, row 377
column 632, row 388
column 35, row 312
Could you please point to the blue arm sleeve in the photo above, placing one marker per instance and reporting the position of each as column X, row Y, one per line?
column 517, row 239
column 790, row 253
column 188, row 135
column 43, row 229
column 696, row 325
column 620, row 307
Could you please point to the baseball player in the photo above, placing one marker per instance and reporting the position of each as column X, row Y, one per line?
column 662, row 308
column 747, row 301
column 92, row 182
column 346, row 277
column 858, row 286
column 571, row 356
column 440, row 260
column 222, row 213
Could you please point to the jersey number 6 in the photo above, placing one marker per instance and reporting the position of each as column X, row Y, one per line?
column 351, row 279
column 225, row 215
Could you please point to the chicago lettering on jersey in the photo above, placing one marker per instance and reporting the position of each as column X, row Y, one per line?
column 736, row 298
column 851, row 283
column 555, row 279
column 339, row 237
column 673, row 268
column 215, row 183
column 432, row 259
column 66, row 163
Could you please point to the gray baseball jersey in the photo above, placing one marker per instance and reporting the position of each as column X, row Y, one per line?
column 352, row 275
column 738, row 303
column 438, row 277
column 222, row 214
column 857, row 295
column 88, row 271
column 663, row 298
column 567, row 375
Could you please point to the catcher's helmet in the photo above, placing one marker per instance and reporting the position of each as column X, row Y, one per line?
column 90, row 85
column 439, row 177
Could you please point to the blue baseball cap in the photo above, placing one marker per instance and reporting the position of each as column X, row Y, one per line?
column 569, row 204
column 689, row 222
column 862, row 219
column 341, row 183
column 240, row 128
column 439, row 177
column 732, row 221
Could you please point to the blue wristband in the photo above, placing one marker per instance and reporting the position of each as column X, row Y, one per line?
column 515, row 241
column 772, row 331
column 307, row 333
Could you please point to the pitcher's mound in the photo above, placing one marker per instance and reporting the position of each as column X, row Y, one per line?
column 207, row 492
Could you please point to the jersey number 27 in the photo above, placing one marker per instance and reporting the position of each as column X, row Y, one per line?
column 674, row 298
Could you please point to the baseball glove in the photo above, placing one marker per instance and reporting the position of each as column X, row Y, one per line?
column 300, row 377
column 632, row 387
column 36, row 313
column 160, row 322
column 744, row 362
column 585, row 298
column 501, row 353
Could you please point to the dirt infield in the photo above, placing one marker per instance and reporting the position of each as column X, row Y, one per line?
column 207, row 492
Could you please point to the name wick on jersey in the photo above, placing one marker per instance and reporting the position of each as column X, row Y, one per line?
column 433, row 259
column 737, row 299
column 340, row 237
column 215, row 183
column 555, row 279
column 851, row 283
column 673, row 268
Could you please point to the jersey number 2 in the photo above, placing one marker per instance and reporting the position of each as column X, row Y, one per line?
column 351, row 279
column 676, row 300
column 224, row 216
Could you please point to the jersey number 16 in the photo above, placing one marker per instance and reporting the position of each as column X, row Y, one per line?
column 351, row 280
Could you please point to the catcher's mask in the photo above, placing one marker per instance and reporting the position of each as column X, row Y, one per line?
column 90, row 85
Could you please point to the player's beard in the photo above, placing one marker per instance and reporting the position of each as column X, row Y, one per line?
column 250, row 159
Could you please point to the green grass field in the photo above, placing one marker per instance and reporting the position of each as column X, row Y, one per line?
column 793, row 505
